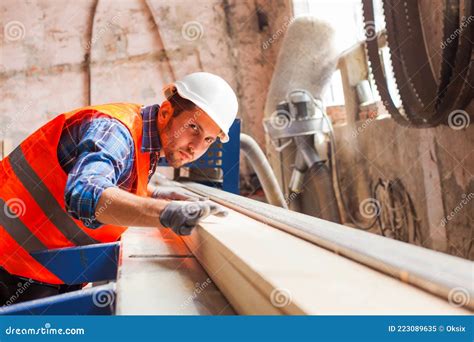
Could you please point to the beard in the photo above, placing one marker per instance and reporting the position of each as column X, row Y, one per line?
column 174, row 159
column 172, row 150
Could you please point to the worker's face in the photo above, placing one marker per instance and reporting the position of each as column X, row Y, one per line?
column 187, row 136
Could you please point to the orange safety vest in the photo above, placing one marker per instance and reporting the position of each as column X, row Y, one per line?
column 32, row 184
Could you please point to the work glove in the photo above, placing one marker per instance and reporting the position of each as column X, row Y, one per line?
column 182, row 217
column 175, row 193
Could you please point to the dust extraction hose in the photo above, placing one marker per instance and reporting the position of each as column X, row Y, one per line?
column 264, row 172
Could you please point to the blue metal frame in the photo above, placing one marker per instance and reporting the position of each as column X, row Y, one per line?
column 231, row 160
column 77, row 265
column 99, row 300
column 223, row 156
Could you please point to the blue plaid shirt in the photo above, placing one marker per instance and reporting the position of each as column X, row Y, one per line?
column 97, row 153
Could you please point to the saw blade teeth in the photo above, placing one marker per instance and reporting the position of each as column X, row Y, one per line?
column 392, row 42
column 467, row 91
column 458, row 92
column 408, row 76
column 404, row 71
column 388, row 58
column 388, row 69
column 398, row 114
column 446, row 70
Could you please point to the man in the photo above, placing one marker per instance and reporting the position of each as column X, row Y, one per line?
column 83, row 177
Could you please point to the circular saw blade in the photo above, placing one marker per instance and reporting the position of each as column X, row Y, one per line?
column 430, row 82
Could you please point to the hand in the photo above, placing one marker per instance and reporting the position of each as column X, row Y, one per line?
column 175, row 193
column 182, row 217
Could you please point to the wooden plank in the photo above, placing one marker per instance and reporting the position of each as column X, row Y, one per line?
column 238, row 289
column 263, row 270
column 5, row 148
column 158, row 275
column 432, row 189
column 353, row 67
column 441, row 274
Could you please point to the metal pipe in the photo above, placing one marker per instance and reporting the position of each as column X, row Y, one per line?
column 319, row 182
column 297, row 175
column 305, row 145
column 264, row 172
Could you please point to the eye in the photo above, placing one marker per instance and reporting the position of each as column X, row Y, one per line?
column 194, row 127
column 209, row 140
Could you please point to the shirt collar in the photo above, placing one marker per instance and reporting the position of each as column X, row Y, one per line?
column 151, row 139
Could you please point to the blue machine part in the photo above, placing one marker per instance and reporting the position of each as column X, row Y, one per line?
column 77, row 265
column 223, row 156
column 99, row 300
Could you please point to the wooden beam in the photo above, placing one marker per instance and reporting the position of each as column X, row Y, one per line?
column 263, row 270
column 5, row 148
column 443, row 275
column 158, row 275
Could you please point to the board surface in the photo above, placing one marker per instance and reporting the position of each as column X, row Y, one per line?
column 158, row 275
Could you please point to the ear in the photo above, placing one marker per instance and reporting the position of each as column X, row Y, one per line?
column 165, row 113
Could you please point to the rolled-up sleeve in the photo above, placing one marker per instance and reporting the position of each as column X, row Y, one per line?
column 104, row 155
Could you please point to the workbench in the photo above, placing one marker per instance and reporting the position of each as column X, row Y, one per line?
column 158, row 275
column 258, row 260
column 261, row 259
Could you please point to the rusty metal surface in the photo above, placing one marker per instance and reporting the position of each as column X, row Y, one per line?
column 397, row 39
column 448, row 55
column 417, row 75
column 377, row 67
column 429, row 87
column 459, row 91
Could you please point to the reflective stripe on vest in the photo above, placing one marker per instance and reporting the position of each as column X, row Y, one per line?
column 18, row 231
column 29, row 175
column 46, row 201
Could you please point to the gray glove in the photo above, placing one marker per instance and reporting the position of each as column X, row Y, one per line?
column 182, row 217
column 175, row 193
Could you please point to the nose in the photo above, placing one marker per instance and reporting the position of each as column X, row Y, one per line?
column 197, row 146
column 191, row 149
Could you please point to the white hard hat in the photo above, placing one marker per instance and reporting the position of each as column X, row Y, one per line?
column 212, row 94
